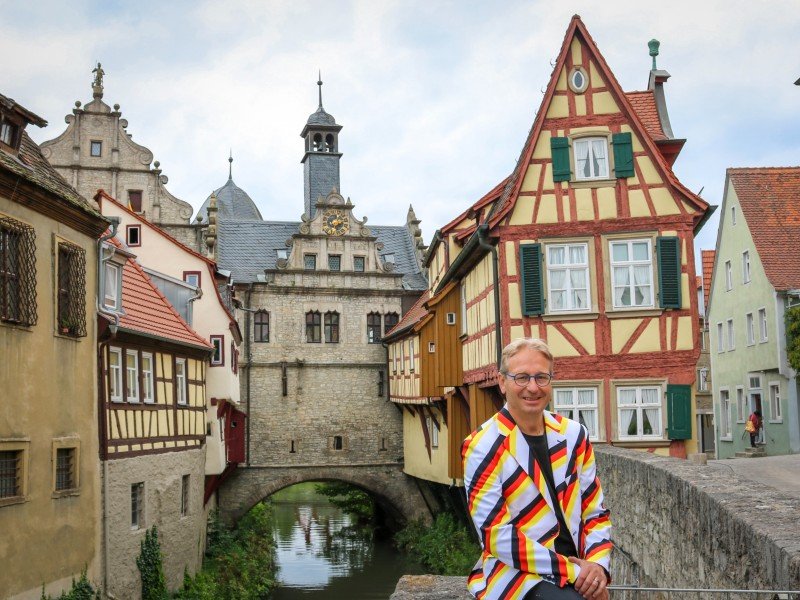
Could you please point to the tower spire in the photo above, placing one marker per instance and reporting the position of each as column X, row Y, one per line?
column 230, row 164
column 319, row 83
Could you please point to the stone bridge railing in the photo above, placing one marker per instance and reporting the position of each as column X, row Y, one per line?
column 678, row 524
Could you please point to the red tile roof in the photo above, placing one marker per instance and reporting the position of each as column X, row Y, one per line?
column 644, row 103
column 770, row 201
column 414, row 315
column 147, row 311
column 708, row 269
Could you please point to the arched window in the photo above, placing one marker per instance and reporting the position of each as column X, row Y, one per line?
column 313, row 328
column 331, row 327
column 316, row 145
column 261, row 326
column 390, row 320
column 374, row 328
column 329, row 145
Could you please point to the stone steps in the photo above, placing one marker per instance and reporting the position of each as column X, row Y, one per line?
column 751, row 453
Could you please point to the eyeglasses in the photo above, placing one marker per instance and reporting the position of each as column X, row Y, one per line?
column 523, row 379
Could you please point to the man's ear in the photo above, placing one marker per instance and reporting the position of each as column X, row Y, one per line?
column 501, row 383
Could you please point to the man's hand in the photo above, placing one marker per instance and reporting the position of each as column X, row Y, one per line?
column 592, row 581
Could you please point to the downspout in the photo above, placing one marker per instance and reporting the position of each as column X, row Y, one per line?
column 199, row 295
column 249, row 356
column 483, row 231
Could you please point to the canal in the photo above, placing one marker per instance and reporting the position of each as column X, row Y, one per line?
column 322, row 553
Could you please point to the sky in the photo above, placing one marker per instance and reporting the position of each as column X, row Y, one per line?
column 436, row 97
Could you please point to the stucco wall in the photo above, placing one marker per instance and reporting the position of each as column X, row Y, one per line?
column 417, row 461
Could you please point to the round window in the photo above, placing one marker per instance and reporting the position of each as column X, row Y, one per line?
column 578, row 80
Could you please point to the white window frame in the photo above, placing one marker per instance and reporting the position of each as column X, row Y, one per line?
column 112, row 286
column 573, row 410
column 775, row 411
column 411, row 361
column 720, row 338
column 148, row 379
column 115, row 375
column 746, row 266
column 568, row 268
column 731, row 335
column 638, row 406
column 132, row 376
column 750, row 329
column 702, row 379
column 631, row 265
column 588, row 142
column 728, row 276
column 741, row 404
column 180, row 381
column 762, row 324
column 725, row 428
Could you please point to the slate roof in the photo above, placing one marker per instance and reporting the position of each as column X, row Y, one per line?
column 708, row 269
column 413, row 316
column 770, row 201
column 644, row 103
column 247, row 248
column 320, row 117
column 232, row 203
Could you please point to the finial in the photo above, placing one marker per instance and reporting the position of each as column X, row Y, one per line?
column 230, row 164
column 653, row 45
column 319, row 83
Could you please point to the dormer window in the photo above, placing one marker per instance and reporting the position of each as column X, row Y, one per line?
column 389, row 258
column 112, row 286
column 282, row 253
column 9, row 133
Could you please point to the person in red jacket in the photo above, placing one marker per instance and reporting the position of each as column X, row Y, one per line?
column 754, row 424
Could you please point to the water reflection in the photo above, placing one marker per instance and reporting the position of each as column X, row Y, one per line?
column 322, row 554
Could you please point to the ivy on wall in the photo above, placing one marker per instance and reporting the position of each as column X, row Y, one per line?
column 793, row 337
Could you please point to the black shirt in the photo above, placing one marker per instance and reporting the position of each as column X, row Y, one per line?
column 541, row 454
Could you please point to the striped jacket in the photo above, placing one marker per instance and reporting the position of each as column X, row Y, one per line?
column 513, row 511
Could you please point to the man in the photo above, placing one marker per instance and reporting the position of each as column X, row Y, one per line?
column 533, row 494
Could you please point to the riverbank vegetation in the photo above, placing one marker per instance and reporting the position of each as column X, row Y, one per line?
column 352, row 500
column 445, row 548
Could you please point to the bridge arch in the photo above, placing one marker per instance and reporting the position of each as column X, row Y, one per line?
column 394, row 491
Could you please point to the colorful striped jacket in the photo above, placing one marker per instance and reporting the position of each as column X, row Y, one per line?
column 513, row 511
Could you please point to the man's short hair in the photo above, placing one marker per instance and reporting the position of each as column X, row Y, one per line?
column 524, row 344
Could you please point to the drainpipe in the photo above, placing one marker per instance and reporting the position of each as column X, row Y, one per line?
column 483, row 231
column 199, row 295
column 249, row 355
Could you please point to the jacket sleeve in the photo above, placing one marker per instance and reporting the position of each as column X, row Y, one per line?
column 502, row 534
column 595, row 531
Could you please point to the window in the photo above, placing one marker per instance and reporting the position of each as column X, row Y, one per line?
column 133, row 235
column 9, row 133
column 17, row 272
column 632, row 273
column 11, row 473
column 218, row 356
column 137, row 505
column 335, row 262
column 71, row 281
column 411, row 359
column 310, row 262
column 390, row 320
column 754, row 382
column 96, row 148
column 337, row 443
column 192, row 278
column 433, row 431
column 358, row 264
column 728, row 276
column 115, row 374
column 750, row 330
column 578, row 80
column 132, row 375
column 591, row 158
column 313, row 333
column 112, row 286
column 720, row 338
column 639, row 412
column 578, row 404
column 702, row 379
column 725, row 414
column 775, row 413
column 180, row 380
column 282, row 253
column 389, row 258
column 568, row 277
column 185, row 495
column 741, row 405
column 135, row 201
column 331, row 327
column 731, row 339
column 374, row 328
column 746, row 266
column 762, row 323
column 261, row 326
column 65, row 469
column 450, row 318
column 431, row 347
column 148, row 388
column 733, row 215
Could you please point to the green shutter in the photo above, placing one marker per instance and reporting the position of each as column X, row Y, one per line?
column 679, row 412
column 559, row 146
column 623, row 154
column 669, row 271
column 530, row 260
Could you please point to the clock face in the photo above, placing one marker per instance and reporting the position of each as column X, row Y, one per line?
column 334, row 222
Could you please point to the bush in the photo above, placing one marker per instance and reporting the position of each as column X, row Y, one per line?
column 151, row 569
column 350, row 499
column 80, row 590
column 445, row 548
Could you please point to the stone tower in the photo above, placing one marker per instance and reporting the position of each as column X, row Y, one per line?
column 321, row 158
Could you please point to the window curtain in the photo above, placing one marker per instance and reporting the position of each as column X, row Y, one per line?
column 641, row 279
column 622, row 282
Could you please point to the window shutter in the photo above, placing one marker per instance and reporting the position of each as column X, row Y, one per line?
column 530, row 258
column 669, row 271
column 623, row 154
column 679, row 412
column 559, row 147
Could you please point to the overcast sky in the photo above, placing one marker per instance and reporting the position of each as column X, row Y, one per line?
column 436, row 97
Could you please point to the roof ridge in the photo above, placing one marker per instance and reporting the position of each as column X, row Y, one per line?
column 787, row 168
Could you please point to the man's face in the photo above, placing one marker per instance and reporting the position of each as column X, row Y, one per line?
column 526, row 403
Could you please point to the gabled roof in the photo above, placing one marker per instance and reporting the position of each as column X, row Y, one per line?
column 148, row 312
column 577, row 28
column 770, row 203
column 413, row 315
column 708, row 269
column 644, row 103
